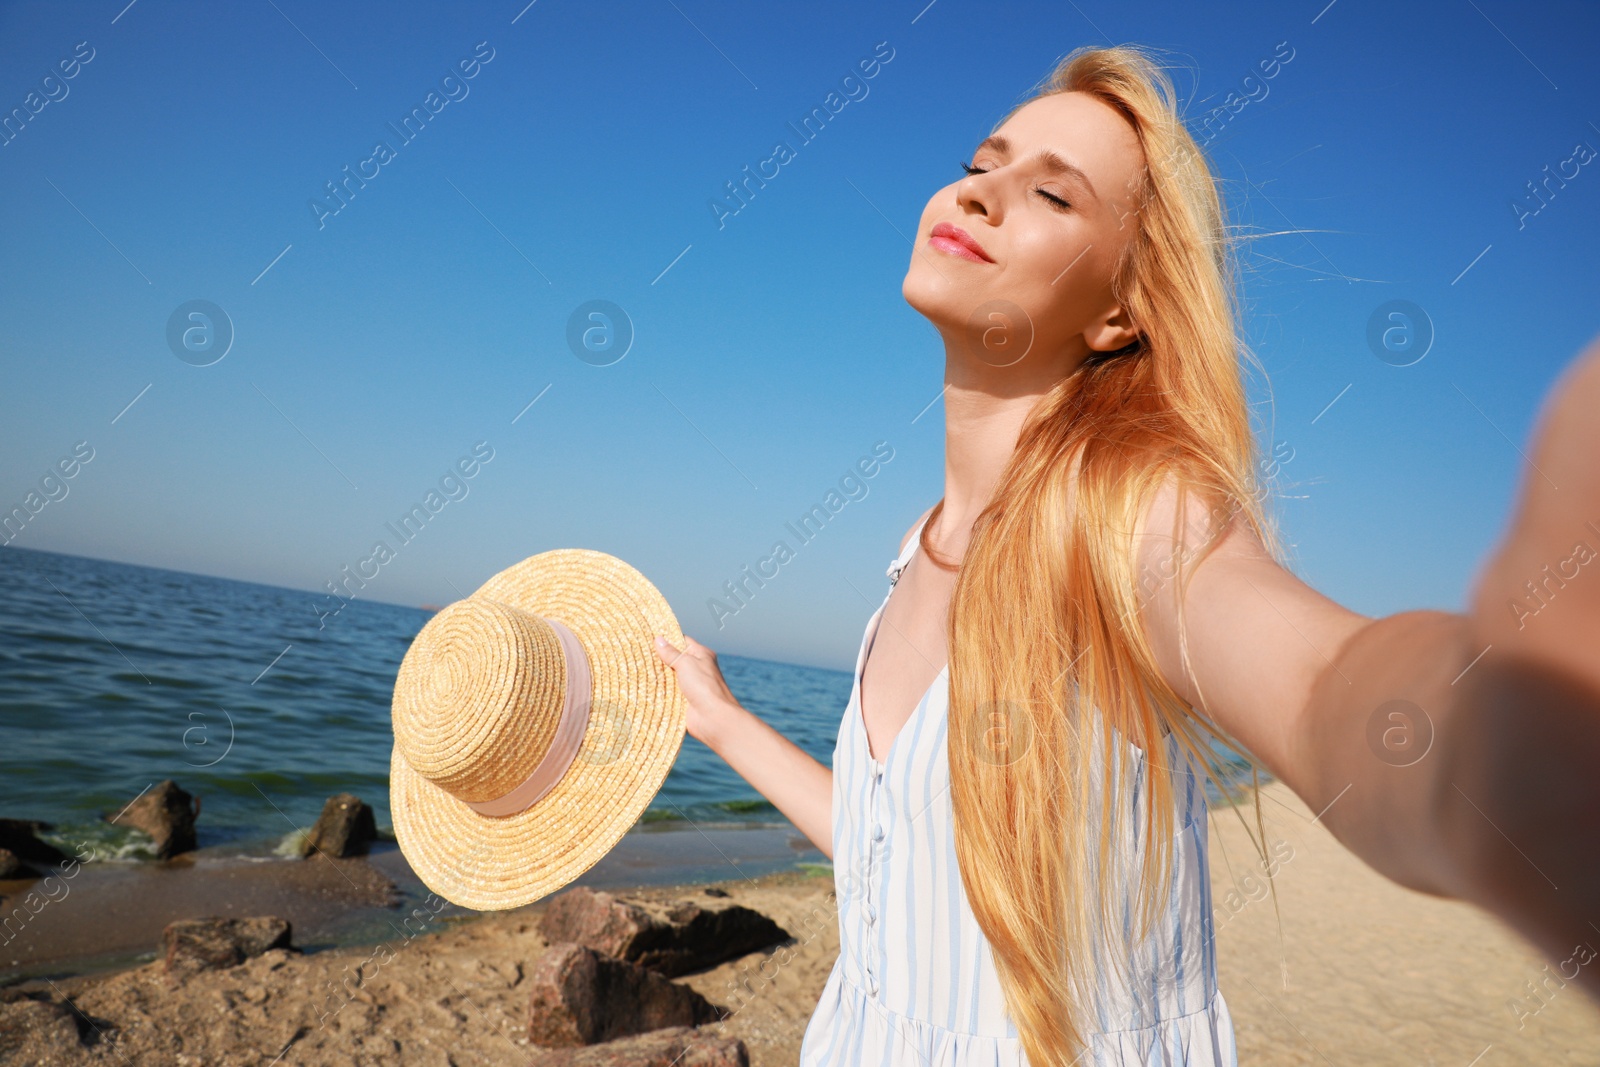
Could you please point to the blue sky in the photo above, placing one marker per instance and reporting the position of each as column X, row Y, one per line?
column 373, row 347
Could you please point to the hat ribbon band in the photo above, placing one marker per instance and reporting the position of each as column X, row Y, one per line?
column 569, row 734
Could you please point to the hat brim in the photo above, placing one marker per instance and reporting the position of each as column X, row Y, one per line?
column 636, row 728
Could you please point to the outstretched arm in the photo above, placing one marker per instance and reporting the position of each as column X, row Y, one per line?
column 1458, row 755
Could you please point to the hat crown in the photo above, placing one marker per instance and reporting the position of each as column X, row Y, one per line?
column 478, row 697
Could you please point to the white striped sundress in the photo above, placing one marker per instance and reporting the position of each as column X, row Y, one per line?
column 915, row 982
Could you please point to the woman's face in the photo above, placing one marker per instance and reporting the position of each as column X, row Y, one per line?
column 1049, row 229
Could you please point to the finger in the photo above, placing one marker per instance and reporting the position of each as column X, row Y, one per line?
column 668, row 653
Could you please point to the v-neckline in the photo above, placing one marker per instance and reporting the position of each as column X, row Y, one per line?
column 861, row 671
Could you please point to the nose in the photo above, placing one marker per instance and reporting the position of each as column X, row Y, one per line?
column 976, row 196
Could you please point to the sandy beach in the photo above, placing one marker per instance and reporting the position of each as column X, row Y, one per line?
column 1366, row 973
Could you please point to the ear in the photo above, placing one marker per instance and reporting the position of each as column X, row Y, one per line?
column 1112, row 330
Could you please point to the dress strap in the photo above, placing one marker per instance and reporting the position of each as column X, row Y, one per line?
column 898, row 564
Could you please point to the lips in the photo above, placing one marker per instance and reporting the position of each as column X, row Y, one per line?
column 958, row 242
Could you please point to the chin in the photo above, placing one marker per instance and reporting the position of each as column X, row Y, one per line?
column 941, row 300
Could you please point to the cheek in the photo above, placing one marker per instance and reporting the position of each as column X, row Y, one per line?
column 1059, row 280
column 1051, row 261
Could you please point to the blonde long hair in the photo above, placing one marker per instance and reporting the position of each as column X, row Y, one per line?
column 1046, row 647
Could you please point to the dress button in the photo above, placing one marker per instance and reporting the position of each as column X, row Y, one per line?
column 872, row 985
column 872, row 914
column 877, row 832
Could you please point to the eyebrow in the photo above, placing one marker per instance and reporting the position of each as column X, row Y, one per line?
column 1048, row 159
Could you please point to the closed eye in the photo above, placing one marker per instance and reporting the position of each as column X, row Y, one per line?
column 1060, row 204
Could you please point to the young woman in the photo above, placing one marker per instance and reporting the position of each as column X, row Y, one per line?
column 1016, row 810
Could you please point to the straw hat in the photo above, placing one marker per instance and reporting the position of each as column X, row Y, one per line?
column 533, row 723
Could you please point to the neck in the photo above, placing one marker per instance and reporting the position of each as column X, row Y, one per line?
column 984, row 410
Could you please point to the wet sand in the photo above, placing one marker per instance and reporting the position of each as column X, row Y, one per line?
column 1366, row 973
column 110, row 915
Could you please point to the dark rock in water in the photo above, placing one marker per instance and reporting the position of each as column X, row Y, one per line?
column 18, row 837
column 165, row 812
column 670, row 938
column 11, row 867
column 580, row 997
column 39, row 1031
column 345, row 828
column 675, row 1046
column 211, row 943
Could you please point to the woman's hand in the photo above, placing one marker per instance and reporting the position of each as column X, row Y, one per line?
column 710, row 700
column 795, row 782
column 1539, row 593
column 1522, row 798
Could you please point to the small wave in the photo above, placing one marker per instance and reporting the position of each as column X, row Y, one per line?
column 102, row 842
column 745, row 807
column 158, row 679
column 291, row 845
